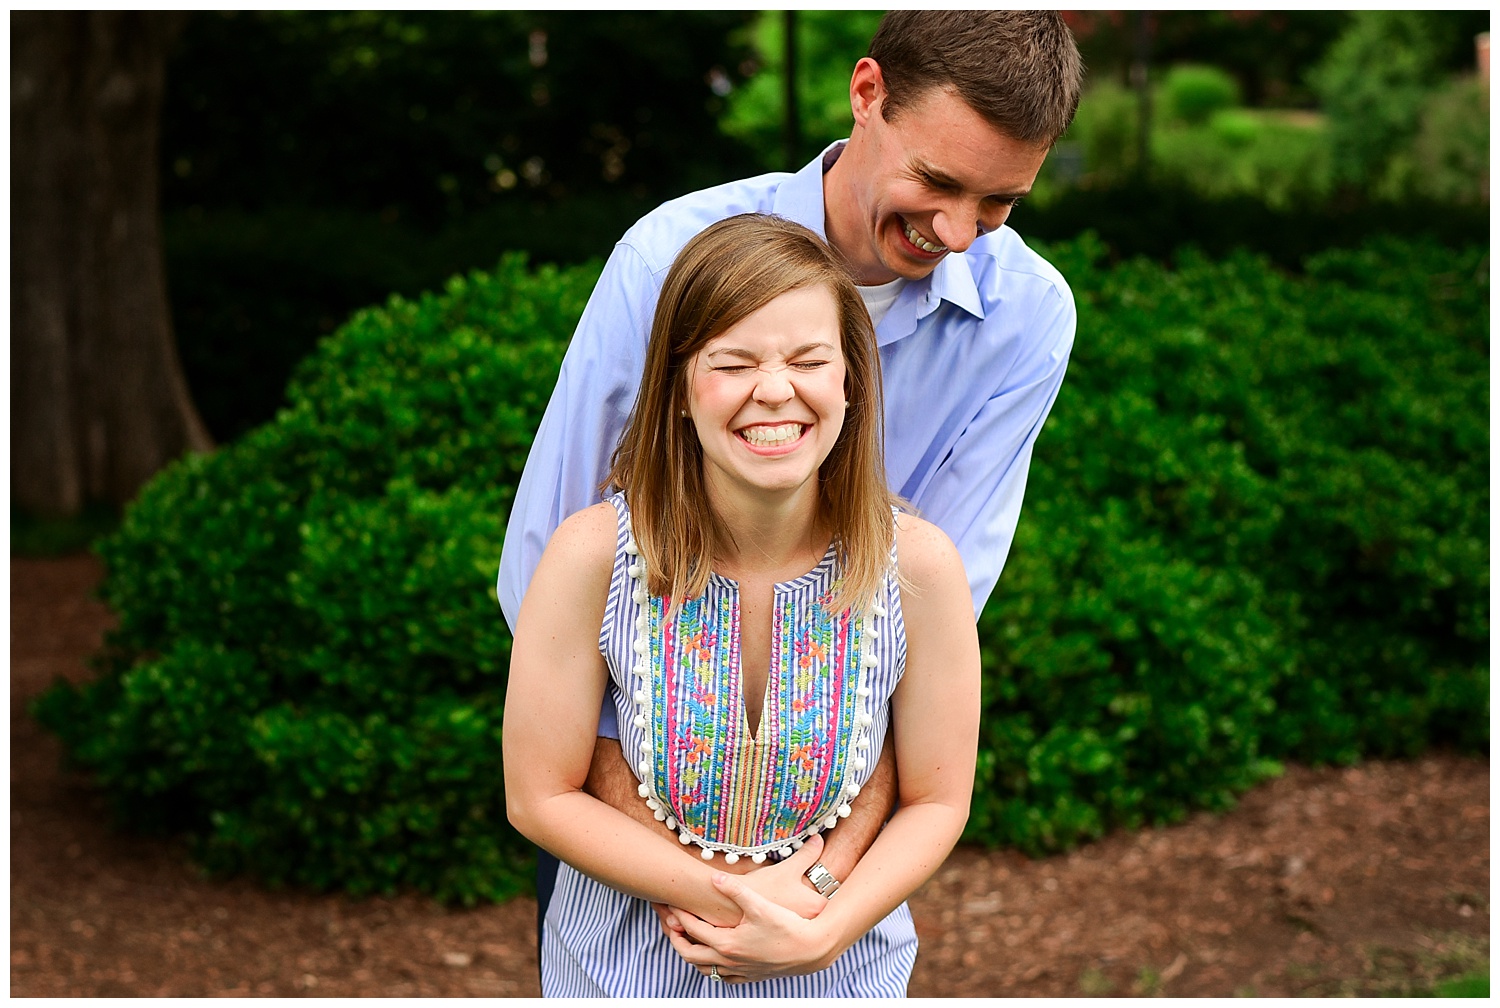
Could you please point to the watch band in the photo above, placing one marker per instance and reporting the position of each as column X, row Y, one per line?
column 822, row 880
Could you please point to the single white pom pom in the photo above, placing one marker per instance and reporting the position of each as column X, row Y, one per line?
column 785, row 852
column 631, row 547
column 858, row 763
column 640, row 696
column 830, row 822
column 645, row 746
column 653, row 804
column 659, row 815
column 639, row 646
column 844, row 811
column 644, row 766
column 863, row 720
column 864, row 691
column 634, row 570
column 639, row 595
column 852, row 790
column 684, row 839
column 708, row 854
column 671, row 822
column 876, row 608
column 644, row 790
column 640, row 721
column 759, row 858
column 869, row 661
column 873, row 633
column 796, row 845
column 731, row 857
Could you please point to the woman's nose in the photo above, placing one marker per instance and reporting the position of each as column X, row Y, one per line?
column 773, row 387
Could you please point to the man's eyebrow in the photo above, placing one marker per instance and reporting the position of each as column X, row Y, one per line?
column 939, row 177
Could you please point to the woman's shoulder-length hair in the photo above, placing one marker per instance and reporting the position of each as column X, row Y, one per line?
column 724, row 274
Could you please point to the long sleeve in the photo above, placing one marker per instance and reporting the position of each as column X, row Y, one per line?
column 975, row 493
column 589, row 408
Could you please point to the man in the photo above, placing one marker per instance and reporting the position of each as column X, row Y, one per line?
column 954, row 113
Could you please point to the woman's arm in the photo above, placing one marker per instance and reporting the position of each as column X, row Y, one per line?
column 556, row 684
column 935, row 717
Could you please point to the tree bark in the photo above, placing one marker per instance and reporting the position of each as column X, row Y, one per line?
column 98, row 398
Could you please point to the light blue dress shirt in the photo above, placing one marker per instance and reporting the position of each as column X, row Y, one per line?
column 972, row 357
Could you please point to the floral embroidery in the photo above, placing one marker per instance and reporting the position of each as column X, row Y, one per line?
column 703, row 772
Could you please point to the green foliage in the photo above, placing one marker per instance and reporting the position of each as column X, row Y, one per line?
column 1372, row 84
column 1256, row 530
column 829, row 43
column 1194, row 92
column 308, row 673
column 1451, row 153
column 435, row 114
column 315, row 161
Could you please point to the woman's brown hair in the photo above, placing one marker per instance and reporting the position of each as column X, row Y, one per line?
column 727, row 272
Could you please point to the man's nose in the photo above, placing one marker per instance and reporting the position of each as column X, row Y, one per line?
column 957, row 228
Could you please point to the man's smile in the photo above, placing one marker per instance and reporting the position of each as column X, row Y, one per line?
column 915, row 237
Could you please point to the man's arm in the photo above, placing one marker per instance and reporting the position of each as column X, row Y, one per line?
column 590, row 404
column 975, row 494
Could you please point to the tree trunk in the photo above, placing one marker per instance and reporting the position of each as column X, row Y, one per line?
column 98, row 399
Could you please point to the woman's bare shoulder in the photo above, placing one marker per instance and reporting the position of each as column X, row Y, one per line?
column 591, row 532
column 926, row 555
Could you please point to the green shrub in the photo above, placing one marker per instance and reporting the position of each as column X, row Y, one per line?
column 1193, row 92
column 1372, row 84
column 308, row 674
column 1256, row 530
column 1451, row 152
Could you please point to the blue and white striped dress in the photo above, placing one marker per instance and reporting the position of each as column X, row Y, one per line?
column 682, row 727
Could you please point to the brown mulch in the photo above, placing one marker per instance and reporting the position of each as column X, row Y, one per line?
column 1357, row 880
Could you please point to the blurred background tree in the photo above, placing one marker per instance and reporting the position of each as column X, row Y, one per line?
column 98, row 400
column 318, row 161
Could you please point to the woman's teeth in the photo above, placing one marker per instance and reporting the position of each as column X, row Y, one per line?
column 772, row 437
column 920, row 242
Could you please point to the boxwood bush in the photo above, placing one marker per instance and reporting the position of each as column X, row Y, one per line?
column 1255, row 530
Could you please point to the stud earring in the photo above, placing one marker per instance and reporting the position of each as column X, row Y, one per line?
column 684, row 413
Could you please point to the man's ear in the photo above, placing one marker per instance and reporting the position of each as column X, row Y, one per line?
column 866, row 90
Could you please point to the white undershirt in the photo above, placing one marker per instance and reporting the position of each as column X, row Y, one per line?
column 878, row 299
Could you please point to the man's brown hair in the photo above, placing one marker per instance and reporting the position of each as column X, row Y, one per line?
column 1020, row 70
column 727, row 272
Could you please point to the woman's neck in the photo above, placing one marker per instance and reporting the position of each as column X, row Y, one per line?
column 770, row 533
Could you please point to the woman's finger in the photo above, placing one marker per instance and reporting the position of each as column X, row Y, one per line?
column 697, row 955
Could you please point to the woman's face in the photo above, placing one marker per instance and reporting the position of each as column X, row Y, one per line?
column 767, row 395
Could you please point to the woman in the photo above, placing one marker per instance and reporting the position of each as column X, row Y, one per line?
column 764, row 613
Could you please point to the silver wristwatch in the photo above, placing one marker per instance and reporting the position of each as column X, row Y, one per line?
column 822, row 880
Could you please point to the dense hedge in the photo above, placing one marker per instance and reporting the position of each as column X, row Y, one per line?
column 309, row 668
column 1255, row 529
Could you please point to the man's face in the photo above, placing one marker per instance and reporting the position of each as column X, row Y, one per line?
column 925, row 184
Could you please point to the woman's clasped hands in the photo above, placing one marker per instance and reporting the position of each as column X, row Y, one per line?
column 778, row 933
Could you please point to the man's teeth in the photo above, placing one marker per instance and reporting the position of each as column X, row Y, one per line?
column 770, row 437
column 920, row 242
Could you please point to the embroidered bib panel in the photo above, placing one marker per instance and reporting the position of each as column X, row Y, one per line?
column 682, row 705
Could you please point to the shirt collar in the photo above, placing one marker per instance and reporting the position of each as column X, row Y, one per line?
column 800, row 198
